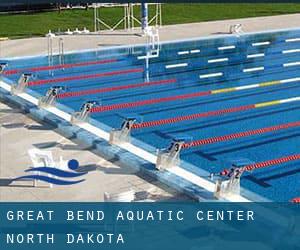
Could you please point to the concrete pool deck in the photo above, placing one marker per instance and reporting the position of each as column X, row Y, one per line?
column 19, row 133
column 38, row 45
column 108, row 177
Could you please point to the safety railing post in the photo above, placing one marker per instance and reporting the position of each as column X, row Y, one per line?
column 61, row 51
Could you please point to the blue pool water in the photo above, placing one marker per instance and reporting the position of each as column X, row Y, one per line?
column 237, row 61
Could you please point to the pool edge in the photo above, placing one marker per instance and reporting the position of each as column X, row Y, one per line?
column 105, row 150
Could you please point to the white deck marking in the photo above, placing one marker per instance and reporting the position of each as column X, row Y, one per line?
column 218, row 60
column 59, row 113
column 256, row 55
column 253, row 69
column 139, row 152
column 291, row 64
column 211, row 75
column 226, row 47
column 25, row 96
column 5, row 86
column 29, row 98
column 290, row 51
column 261, row 43
column 178, row 65
column 292, row 40
column 94, row 130
column 195, row 179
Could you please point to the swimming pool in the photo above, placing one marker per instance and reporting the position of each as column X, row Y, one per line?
column 232, row 98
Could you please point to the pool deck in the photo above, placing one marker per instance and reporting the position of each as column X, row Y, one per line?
column 106, row 176
column 18, row 133
column 38, row 45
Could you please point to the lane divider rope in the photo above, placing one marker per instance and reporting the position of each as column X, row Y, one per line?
column 65, row 66
column 264, row 164
column 268, row 163
column 240, row 135
column 211, row 113
column 188, row 96
column 80, row 77
column 296, row 200
column 110, row 89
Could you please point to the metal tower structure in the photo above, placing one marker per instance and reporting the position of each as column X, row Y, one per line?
column 129, row 20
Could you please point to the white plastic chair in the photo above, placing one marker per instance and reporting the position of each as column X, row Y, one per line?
column 50, row 34
column 77, row 31
column 85, row 31
column 40, row 158
column 69, row 32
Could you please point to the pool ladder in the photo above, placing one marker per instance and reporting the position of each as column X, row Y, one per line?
column 153, row 41
column 61, row 53
column 153, row 48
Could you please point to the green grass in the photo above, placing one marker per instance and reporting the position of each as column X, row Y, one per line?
column 25, row 25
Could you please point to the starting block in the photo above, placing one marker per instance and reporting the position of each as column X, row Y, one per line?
column 50, row 97
column 84, row 113
column 22, row 84
column 170, row 157
column 225, row 188
column 3, row 65
column 236, row 29
column 231, row 185
column 122, row 135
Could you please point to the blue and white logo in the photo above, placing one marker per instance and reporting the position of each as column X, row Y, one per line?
column 55, row 175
